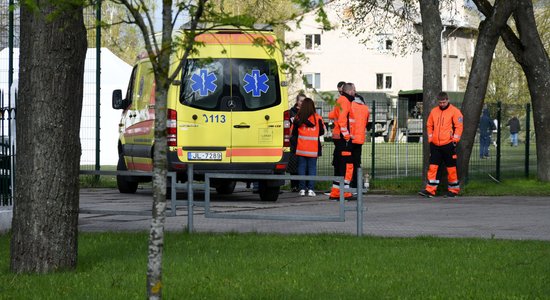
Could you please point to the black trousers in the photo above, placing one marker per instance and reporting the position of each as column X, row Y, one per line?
column 356, row 155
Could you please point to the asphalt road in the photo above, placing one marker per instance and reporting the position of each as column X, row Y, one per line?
column 385, row 215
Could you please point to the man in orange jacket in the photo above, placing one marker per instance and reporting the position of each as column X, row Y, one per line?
column 358, row 119
column 444, row 131
column 343, row 159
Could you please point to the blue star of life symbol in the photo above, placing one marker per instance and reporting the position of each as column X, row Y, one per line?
column 256, row 83
column 203, row 82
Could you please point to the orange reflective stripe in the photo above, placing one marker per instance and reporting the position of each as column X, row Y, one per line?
column 235, row 39
column 255, row 152
column 140, row 166
column 432, row 173
column 349, row 173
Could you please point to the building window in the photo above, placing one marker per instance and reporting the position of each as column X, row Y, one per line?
column 462, row 67
column 313, row 41
column 313, row 80
column 383, row 81
column 389, row 44
column 385, row 42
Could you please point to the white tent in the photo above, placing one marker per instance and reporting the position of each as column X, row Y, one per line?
column 115, row 74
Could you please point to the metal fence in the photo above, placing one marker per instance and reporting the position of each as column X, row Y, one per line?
column 7, row 150
column 9, row 42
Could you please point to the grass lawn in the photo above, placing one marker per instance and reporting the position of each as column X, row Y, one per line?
column 250, row 266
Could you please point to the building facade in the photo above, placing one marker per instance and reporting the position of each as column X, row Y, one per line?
column 375, row 61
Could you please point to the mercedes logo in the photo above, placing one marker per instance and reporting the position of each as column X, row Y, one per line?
column 231, row 103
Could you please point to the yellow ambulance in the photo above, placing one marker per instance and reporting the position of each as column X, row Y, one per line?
column 227, row 113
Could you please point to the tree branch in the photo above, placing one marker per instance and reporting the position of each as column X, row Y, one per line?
column 191, row 38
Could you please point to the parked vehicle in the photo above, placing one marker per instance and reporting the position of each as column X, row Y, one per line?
column 227, row 112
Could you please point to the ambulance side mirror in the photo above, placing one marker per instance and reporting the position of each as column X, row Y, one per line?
column 118, row 102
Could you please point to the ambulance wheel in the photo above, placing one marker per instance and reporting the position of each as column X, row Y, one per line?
column 269, row 193
column 125, row 184
column 226, row 187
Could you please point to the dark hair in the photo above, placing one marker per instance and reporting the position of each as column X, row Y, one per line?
column 442, row 96
column 348, row 87
column 306, row 110
column 340, row 84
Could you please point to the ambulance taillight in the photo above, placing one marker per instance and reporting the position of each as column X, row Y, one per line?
column 171, row 128
column 286, row 126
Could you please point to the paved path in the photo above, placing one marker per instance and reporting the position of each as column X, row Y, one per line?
column 386, row 215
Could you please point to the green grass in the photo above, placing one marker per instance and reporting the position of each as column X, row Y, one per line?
column 520, row 187
column 510, row 187
column 250, row 266
column 91, row 181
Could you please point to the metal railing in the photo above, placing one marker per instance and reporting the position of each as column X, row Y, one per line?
column 190, row 203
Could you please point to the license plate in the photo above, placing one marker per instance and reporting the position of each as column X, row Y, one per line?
column 204, row 156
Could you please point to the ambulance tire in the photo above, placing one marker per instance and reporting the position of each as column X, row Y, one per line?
column 125, row 184
column 226, row 187
column 269, row 193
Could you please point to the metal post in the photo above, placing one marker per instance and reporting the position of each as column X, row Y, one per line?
column 190, row 198
column 359, row 203
column 499, row 144
column 527, row 137
column 396, row 137
column 98, row 87
column 173, row 179
column 373, row 132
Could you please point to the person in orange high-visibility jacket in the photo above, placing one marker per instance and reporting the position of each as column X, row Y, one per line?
column 306, row 129
column 358, row 120
column 444, row 126
column 343, row 159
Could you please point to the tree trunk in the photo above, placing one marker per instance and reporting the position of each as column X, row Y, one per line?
column 529, row 52
column 45, row 213
column 489, row 31
column 156, row 235
column 431, row 61
column 160, row 162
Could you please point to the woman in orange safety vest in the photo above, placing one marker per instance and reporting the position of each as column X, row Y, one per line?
column 306, row 129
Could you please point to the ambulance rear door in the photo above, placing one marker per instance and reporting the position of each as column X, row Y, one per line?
column 257, row 120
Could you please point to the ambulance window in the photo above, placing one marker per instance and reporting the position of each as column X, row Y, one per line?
column 258, row 82
column 131, row 85
column 202, row 83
